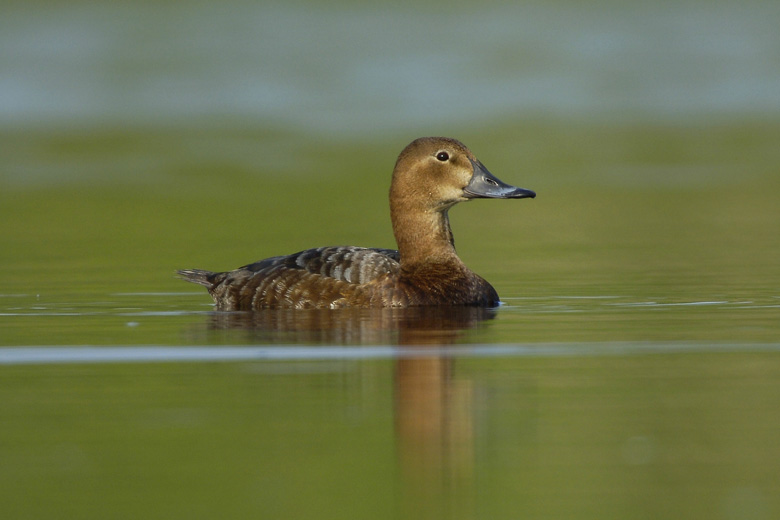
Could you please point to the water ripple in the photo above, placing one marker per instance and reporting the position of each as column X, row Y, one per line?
column 165, row 354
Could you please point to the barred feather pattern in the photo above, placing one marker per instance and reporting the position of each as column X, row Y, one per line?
column 325, row 277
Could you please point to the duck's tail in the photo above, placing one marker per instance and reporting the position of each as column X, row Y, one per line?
column 198, row 276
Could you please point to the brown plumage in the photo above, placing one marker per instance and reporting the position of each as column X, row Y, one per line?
column 431, row 175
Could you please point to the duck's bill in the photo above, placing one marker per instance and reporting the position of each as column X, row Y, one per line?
column 486, row 185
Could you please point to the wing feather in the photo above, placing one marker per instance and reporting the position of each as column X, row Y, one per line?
column 355, row 265
column 320, row 277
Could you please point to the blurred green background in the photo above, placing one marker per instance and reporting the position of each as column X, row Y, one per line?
column 140, row 138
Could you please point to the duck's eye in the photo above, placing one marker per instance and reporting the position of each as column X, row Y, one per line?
column 443, row 156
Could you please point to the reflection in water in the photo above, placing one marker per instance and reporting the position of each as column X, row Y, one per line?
column 387, row 326
column 434, row 430
column 433, row 410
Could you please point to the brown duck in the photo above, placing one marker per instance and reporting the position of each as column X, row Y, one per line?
column 431, row 175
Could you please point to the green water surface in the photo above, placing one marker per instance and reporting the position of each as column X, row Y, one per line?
column 661, row 235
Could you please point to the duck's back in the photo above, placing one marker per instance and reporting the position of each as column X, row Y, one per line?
column 322, row 277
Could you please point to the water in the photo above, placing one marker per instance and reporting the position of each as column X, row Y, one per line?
column 392, row 413
column 569, row 430
column 632, row 371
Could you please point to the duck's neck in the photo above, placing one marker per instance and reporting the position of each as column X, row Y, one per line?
column 424, row 237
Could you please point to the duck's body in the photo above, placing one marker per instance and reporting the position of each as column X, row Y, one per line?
column 431, row 175
column 343, row 276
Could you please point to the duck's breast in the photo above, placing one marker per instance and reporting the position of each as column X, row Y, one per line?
column 448, row 283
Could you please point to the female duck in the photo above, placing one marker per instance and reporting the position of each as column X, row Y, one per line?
column 431, row 175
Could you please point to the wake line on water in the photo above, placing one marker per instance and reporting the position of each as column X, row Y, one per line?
column 167, row 354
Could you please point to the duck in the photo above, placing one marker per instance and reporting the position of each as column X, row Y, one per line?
column 431, row 175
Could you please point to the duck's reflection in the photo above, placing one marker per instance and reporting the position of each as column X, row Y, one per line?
column 433, row 409
column 388, row 326
column 434, row 427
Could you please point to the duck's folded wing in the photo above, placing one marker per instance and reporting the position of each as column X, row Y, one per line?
column 354, row 265
column 322, row 277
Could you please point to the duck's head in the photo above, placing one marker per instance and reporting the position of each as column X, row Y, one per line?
column 434, row 173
